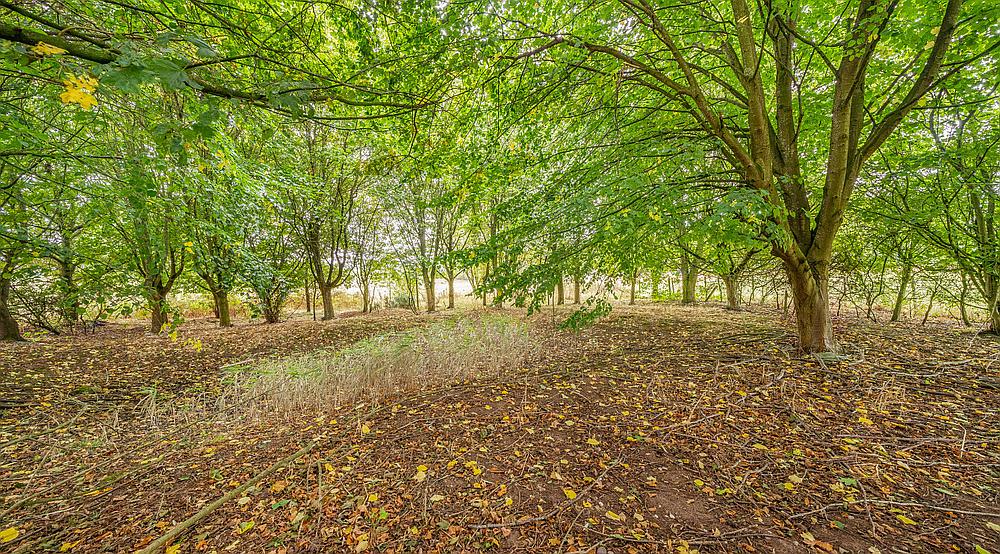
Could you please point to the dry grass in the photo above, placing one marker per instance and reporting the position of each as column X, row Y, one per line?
column 386, row 365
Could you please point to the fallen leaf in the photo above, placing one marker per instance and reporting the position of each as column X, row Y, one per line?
column 9, row 534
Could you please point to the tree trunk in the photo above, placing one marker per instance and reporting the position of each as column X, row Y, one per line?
column 631, row 292
column 732, row 292
column 327, row 294
column 9, row 329
column 271, row 314
column 71, row 293
column 962, row 299
column 159, row 314
column 812, row 307
column 655, row 278
column 930, row 304
column 904, row 280
column 308, row 299
column 451, row 293
column 560, row 291
column 576, row 289
column 222, row 307
column 430, row 294
column 689, row 280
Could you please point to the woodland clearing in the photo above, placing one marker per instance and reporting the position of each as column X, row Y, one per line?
column 660, row 429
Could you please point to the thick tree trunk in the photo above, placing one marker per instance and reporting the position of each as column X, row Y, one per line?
column 9, row 329
column 689, row 280
column 732, row 292
column 451, row 293
column 576, row 289
column 430, row 295
column 812, row 307
column 326, row 292
column 560, row 292
column 159, row 314
column 222, row 307
column 904, row 280
column 272, row 314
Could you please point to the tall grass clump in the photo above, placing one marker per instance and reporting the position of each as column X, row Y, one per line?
column 386, row 365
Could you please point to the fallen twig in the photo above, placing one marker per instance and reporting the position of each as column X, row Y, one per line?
column 176, row 530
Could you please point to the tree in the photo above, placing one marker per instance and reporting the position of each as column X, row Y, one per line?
column 717, row 68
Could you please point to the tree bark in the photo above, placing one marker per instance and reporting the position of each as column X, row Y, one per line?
column 430, row 294
column 222, row 306
column 631, row 292
column 9, row 329
column 732, row 292
column 327, row 294
column 904, row 280
column 451, row 293
column 576, row 289
column 560, row 291
column 689, row 280
column 159, row 314
column 810, row 288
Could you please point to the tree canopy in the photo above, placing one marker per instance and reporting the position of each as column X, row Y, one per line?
column 271, row 150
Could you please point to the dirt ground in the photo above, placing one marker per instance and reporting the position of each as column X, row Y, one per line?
column 660, row 429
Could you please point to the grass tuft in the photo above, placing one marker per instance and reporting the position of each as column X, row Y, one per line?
column 387, row 365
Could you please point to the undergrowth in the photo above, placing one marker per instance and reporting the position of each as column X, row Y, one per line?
column 385, row 365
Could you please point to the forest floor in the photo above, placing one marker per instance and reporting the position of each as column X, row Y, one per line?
column 660, row 429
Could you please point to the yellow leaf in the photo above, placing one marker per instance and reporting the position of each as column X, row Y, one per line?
column 421, row 468
column 570, row 493
column 173, row 549
column 68, row 545
column 508, row 501
column 420, row 476
column 329, row 467
column 437, row 498
column 78, row 96
column 245, row 526
column 611, row 515
column 759, row 446
column 80, row 90
column 8, row 534
column 593, row 442
column 365, row 429
column 699, row 483
column 905, row 519
column 43, row 49
column 373, row 497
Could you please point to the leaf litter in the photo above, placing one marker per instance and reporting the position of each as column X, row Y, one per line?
column 657, row 430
